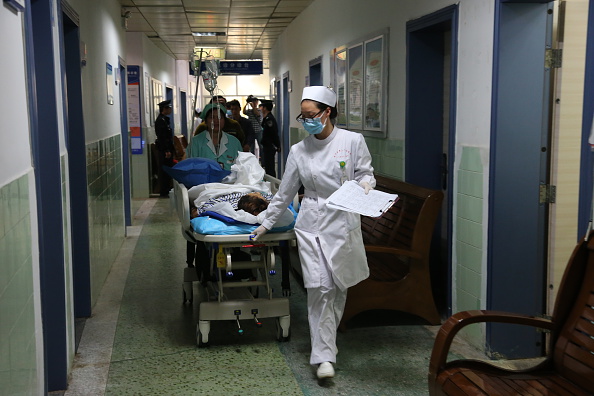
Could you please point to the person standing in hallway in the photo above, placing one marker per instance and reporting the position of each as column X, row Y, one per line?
column 245, row 124
column 270, row 140
column 330, row 241
column 215, row 144
column 165, row 146
column 221, row 147
column 231, row 126
column 253, row 114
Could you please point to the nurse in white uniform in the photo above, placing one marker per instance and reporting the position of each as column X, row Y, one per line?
column 330, row 242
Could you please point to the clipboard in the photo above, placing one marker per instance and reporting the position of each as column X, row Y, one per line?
column 351, row 197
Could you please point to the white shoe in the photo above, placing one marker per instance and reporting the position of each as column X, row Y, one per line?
column 325, row 370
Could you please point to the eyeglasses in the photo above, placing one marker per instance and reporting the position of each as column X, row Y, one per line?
column 302, row 119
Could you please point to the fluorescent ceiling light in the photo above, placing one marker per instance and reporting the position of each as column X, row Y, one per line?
column 208, row 34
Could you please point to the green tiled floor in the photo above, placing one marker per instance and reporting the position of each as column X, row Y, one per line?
column 155, row 353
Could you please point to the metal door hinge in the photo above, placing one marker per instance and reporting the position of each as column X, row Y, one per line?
column 553, row 58
column 547, row 193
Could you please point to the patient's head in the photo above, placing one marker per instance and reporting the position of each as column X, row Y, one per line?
column 253, row 203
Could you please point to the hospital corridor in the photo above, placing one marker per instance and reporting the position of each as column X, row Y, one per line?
column 142, row 341
column 297, row 197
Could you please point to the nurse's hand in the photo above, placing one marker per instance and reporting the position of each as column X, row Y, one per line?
column 258, row 232
column 366, row 186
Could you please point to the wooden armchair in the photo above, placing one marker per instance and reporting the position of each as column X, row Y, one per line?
column 568, row 369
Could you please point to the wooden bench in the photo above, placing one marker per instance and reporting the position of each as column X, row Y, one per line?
column 568, row 368
column 398, row 246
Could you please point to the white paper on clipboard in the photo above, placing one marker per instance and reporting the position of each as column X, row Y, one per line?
column 351, row 197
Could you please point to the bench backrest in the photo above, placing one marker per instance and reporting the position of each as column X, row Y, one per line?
column 573, row 351
column 409, row 222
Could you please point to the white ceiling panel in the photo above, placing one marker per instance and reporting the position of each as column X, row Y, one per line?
column 157, row 2
column 251, row 12
column 207, row 3
column 251, row 26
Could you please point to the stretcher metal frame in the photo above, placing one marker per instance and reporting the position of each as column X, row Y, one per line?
column 236, row 300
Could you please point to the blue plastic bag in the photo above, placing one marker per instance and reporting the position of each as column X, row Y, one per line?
column 194, row 171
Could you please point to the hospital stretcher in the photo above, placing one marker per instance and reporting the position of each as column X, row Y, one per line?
column 224, row 299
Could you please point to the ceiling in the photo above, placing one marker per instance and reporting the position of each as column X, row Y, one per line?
column 250, row 27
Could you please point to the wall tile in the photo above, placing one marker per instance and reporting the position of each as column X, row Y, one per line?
column 106, row 208
column 471, row 159
column 17, row 312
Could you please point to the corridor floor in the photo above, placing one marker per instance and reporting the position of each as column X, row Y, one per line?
column 141, row 337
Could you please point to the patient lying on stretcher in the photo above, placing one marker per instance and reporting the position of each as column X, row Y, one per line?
column 248, row 208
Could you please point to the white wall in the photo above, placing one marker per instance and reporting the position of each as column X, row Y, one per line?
column 15, row 153
column 102, row 32
column 338, row 22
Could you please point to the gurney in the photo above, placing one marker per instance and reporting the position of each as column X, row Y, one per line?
column 224, row 299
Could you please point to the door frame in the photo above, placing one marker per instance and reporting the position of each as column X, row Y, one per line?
column 416, row 136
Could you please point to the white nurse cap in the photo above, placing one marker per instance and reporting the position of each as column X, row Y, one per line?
column 320, row 94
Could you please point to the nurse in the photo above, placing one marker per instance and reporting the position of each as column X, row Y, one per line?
column 330, row 241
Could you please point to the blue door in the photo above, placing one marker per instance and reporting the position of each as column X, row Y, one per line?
column 519, row 161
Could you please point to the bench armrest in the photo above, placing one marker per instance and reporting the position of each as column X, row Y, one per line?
column 394, row 251
column 456, row 322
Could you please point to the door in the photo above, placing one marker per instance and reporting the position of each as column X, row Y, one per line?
column 520, row 134
column 45, row 133
column 125, row 136
column 284, row 130
column 430, row 129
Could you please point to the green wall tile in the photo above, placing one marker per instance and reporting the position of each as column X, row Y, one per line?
column 470, row 208
column 18, row 363
column 471, row 159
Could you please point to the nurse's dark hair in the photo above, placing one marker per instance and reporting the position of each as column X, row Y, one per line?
column 322, row 106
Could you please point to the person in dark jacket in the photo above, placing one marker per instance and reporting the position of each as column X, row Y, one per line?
column 270, row 140
column 164, row 145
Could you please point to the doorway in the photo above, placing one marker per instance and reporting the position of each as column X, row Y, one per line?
column 430, row 129
column 315, row 72
column 520, row 141
column 125, row 136
column 285, row 137
column 48, row 182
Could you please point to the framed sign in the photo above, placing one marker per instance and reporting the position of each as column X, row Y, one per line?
column 360, row 76
column 110, row 83
column 17, row 5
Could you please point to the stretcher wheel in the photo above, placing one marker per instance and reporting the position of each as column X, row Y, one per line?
column 282, row 335
column 188, row 294
column 199, row 340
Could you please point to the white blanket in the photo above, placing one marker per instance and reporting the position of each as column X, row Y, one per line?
column 226, row 209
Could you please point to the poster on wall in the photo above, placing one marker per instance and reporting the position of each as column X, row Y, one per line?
column 147, row 99
column 355, row 59
column 110, row 83
column 134, row 109
column 340, row 75
column 373, row 84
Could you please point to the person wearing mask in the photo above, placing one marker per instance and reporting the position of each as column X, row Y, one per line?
column 232, row 127
column 215, row 144
column 270, row 140
column 221, row 147
column 165, row 146
column 330, row 242
column 253, row 114
column 245, row 124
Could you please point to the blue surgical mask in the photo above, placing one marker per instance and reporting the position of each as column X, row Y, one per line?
column 229, row 113
column 314, row 126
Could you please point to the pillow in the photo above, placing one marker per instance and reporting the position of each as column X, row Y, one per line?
column 193, row 171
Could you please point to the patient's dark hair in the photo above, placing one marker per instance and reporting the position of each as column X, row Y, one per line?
column 253, row 203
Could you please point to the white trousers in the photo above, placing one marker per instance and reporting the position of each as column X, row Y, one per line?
column 325, row 306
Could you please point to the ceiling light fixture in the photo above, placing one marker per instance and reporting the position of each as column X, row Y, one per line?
column 208, row 34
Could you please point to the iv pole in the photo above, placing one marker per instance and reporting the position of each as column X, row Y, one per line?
column 197, row 74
